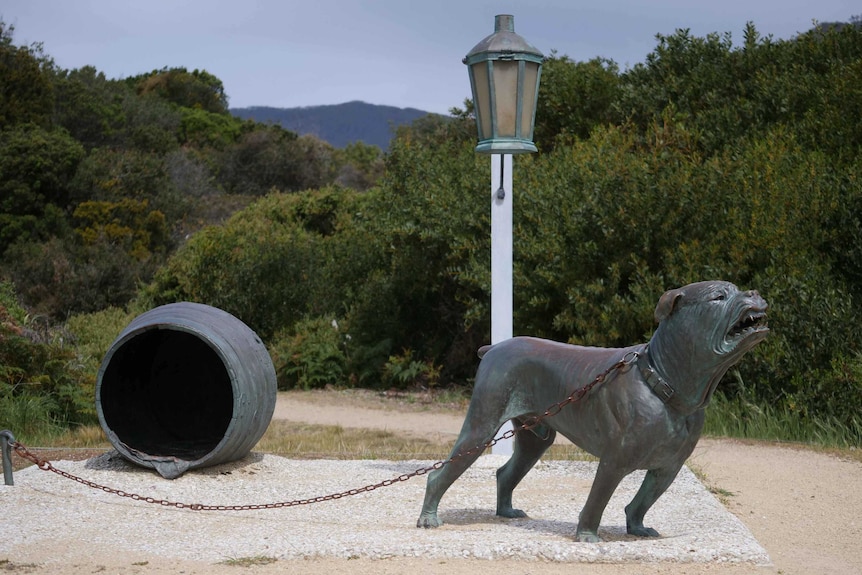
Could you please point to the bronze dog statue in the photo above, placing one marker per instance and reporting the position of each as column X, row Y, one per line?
column 646, row 415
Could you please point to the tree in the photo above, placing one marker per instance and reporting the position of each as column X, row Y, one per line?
column 113, row 175
column 36, row 168
column 26, row 91
column 360, row 165
column 197, row 89
column 574, row 97
column 128, row 223
column 202, row 129
column 268, row 157
column 90, row 106
column 723, row 93
column 100, row 112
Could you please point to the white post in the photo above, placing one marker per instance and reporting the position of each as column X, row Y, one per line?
column 501, row 264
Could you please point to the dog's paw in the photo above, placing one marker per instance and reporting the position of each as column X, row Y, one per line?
column 428, row 521
column 511, row 513
column 642, row 531
column 587, row 537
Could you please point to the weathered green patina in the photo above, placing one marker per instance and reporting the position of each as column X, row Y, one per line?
column 648, row 416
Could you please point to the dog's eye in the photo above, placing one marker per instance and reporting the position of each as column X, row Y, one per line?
column 719, row 297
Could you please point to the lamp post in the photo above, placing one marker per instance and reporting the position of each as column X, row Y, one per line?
column 504, row 77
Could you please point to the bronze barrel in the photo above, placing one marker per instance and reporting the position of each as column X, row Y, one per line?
column 184, row 386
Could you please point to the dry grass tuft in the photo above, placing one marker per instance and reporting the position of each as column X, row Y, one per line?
column 291, row 439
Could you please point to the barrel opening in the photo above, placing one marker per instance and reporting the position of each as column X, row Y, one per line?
column 167, row 393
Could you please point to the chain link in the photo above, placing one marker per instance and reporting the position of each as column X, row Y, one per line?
column 527, row 425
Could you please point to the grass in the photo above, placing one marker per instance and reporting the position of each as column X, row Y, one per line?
column 742, row 419
column 10, row 567
column 26, row 417
column 723, row 495
column 449, row 401
column 332, row 441
column 249, row 561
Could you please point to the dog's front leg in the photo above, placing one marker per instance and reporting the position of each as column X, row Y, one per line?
column 656, row 482
column 607, row 479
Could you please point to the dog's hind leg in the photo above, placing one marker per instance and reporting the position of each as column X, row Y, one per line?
column 527, row 449
column 469, row 443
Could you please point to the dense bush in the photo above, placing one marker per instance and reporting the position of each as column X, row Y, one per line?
column 285, row 257
column 612, row 227
column 269, row 157
column 311, row 355
column 811, row 84
column 61, row 278
column 197, row 89
column 36, row 168
column 574, row 98
column 28, row 94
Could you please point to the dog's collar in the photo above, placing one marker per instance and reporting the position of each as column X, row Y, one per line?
column 654, row 381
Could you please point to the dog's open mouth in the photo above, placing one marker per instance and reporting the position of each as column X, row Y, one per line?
column 753, row 320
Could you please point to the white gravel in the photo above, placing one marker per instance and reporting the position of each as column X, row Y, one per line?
column 43, row 508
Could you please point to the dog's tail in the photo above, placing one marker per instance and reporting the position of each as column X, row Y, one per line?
column 483, row 350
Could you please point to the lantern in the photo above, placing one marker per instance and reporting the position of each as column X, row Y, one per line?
column 504, row 76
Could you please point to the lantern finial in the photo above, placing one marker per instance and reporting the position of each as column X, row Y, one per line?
column 504, row 23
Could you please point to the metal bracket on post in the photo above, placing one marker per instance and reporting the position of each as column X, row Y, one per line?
column 6, row 441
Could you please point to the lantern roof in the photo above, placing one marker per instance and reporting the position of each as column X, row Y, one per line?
column 503, row 43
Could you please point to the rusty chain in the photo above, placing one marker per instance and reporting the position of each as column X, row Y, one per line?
column 527, row 425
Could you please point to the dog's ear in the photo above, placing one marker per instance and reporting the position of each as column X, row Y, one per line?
column 667, row 303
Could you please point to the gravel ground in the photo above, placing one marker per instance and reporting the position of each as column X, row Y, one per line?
column 44, row 509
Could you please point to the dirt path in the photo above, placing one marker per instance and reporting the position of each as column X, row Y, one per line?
column 803, row 507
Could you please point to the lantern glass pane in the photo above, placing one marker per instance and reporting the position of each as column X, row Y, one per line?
column 531, row 75
column 506, row 97
column 482, row 99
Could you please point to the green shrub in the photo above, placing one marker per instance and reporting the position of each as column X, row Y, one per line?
column 10, row 308
column 311, row 355
column 41, row 378
column 431, row 217
column 285, row 257
column 607, row 225
column 404, row 371
column 95, row 332
column 834, row 393
column 57, row 278
column 36, row 169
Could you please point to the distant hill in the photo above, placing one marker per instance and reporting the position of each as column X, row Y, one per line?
column 338, row 124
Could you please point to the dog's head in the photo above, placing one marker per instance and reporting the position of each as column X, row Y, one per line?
column 731, row 321
column 706, row 327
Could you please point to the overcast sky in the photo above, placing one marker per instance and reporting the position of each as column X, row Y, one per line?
column 401, row 53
